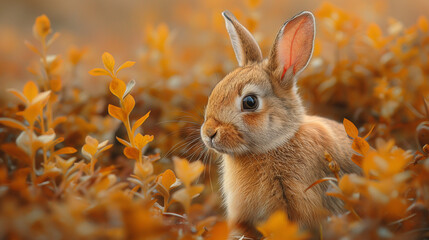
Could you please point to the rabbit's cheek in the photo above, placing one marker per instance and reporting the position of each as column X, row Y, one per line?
column 229, row 137
column 254, row 120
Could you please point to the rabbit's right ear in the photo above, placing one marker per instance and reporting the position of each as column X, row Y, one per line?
column 245, row 46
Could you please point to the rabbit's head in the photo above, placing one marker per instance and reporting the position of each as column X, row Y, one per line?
column 256, row 108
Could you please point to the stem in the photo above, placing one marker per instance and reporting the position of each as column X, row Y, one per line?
column 45, row 63
column 32, row 153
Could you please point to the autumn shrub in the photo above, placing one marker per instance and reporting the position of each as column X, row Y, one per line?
column 79, row 165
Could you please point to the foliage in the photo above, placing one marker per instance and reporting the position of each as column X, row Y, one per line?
column 127, row 188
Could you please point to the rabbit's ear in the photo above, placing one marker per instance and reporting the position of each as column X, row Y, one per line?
column 245, row 46
column 292, row 48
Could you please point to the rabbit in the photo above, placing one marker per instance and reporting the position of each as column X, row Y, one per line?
column 271, row 150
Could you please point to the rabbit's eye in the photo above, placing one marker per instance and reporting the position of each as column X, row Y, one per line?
column 250, row 102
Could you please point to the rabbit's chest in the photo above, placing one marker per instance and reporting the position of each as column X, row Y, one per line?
column 251, row 192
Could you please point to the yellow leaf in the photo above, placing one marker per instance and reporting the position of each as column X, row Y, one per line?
column 423, row 24
column 131, row 153
column 143, row 169
column 42, row 97
column 129, row 104
column 52, row 40
column 99, row 72
column 57, row 121
column 126, row 64
column 117, row 87
column 42, row 27
column 108, row 61
column 278, row 227
column 350, row 128
column 360, row 145
column 12, row 123
column 124, row 142
column 346, row 185
column 187, row 172
column 19, row 95
column 116, row 112
column 56, row 84
column 75, row 54
column 65, row 150
column 30, row 90
column 140, row 141
column 182, row 197
column 32, row 112
column 195, row 190
column 32, row 47
column 91, row 141
column 89, row 150
column 139, row 122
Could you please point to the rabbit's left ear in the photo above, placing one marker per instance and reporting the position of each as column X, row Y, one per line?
column 292, row 48
column 246, row 48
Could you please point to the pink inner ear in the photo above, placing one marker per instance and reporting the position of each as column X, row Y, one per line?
column 296, row 44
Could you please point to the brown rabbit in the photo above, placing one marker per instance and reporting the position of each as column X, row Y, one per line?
column 271, row 150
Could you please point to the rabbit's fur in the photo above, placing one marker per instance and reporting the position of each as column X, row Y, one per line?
column 271, row 154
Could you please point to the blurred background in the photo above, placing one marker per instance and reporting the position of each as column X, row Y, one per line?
column 370, row 65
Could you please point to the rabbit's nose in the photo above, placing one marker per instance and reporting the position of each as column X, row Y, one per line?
column 212, row 135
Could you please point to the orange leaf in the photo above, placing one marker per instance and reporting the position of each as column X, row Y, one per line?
column 108, row 61
column 42, row 98
column 357, row 160
column 32, row 112
column 52, row 40
column 41, row 27
column 19, row 95
column 16, row 152
column 75, row 54
column 58, row 120
column 360, row 145
column 350, row 128
column 116, row 112
column 126, row 64
column 99, row 72
column 278, row 227
column 187, row 172
column 140, row 141
column 143, row 169
column 32, row 47
column 219, row 231
column 65, row 150
column 30, row 90
column 131, row 153
column 423, row 24
column 320, row 181
column 139, row 122
column 56, row 84
column 124, row 142
column 12, row 123
column 129, row 104
column 167, row 179
column 117, row 87
column 374, row 32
